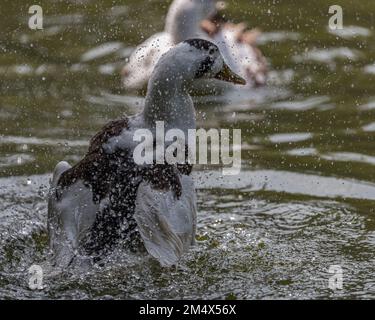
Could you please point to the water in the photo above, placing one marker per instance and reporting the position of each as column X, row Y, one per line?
column 304, row 200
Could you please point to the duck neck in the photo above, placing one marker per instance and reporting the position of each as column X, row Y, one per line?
column 183, row 20
column 168, row 100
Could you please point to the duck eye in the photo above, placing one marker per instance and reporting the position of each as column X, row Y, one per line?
column 211, row 51
column 205, row 67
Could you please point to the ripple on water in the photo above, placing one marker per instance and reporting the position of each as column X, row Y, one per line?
column 302, row 152
column 368, row 106
column 278, row 36
column 370, row 69
column 16, row 159
column 248, row 246
column 41, row 141
column 350, row 32
column 319, row 102
column 101, row 51
column 369, row 127
column 349, row 157
column 290, row 137
column 328, row 56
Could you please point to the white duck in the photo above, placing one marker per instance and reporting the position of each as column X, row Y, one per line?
column 106, row 200
column 198, row 18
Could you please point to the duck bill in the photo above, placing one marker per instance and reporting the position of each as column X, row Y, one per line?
column 226, row 74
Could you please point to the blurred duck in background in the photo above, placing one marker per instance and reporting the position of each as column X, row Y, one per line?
column 199, row 18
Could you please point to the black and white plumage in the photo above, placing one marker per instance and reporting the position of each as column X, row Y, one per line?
column 107, row 200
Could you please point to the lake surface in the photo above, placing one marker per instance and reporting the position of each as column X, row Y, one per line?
column 304, row 201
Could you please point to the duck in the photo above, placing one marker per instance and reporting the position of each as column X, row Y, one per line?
column 108, row 200
column 199, row 18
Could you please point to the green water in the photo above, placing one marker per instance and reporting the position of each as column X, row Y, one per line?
column 303, row 202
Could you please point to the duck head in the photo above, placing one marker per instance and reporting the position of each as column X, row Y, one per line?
column 175, row 74
column 192, row 60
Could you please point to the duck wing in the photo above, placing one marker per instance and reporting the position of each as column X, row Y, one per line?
column 167, row 225
column 71, row 212
column 76, row 195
